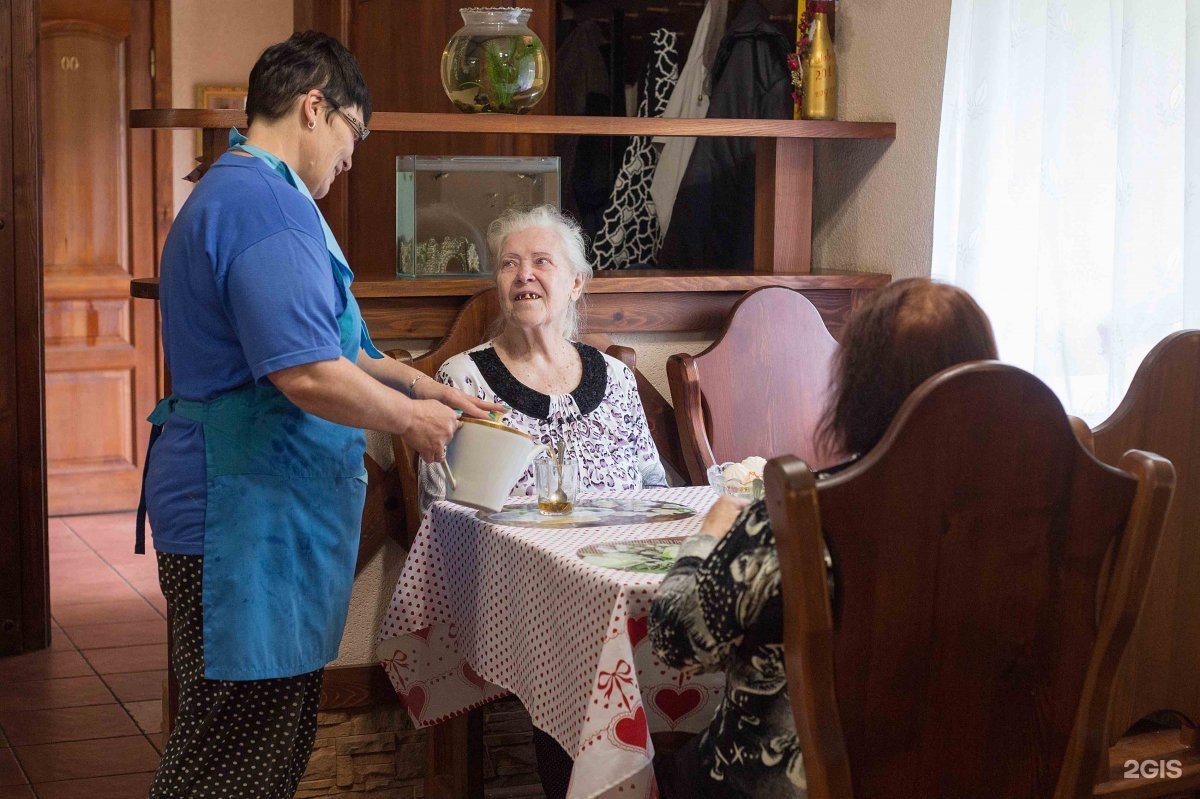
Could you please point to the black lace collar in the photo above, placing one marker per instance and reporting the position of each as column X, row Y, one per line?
column 588, row 394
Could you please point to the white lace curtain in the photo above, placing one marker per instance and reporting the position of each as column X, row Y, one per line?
column 1068, row 182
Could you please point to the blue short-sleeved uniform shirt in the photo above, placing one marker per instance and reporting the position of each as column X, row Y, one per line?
column 246, row 289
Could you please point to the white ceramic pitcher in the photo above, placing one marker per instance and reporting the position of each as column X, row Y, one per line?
column 487, row 458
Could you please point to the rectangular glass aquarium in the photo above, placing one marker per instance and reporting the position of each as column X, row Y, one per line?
column 444, row 206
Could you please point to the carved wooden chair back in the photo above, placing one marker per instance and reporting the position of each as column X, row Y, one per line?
column 1161, row 671
column 475, row 324
column 964, row 640
column 760, row 389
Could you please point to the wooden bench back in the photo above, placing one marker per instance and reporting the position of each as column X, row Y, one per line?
column 760, row 389
column 1161, row 413
column 962, row 646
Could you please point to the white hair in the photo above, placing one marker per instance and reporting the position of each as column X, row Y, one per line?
column 570, row 237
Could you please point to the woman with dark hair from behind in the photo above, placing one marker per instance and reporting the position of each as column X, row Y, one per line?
column 720, row 606
column 255, row 480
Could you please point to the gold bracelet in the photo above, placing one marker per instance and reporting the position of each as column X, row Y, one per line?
column 413, row 385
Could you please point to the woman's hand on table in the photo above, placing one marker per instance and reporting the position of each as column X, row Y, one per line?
column 429, row 389
column 721, row 516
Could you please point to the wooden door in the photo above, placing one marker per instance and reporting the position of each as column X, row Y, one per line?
column 97, row 233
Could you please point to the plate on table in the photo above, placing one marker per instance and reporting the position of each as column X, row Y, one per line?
column 594, row 512
column 654, row 555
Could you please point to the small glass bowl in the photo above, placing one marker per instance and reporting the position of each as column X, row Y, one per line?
column 716, row 479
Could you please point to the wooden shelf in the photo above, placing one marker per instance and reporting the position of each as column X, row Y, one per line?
column 640, row 281
column 637, row 301
column 546, row 124
column 635, row 281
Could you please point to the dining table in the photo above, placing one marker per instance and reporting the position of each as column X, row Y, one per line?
column 554, row 610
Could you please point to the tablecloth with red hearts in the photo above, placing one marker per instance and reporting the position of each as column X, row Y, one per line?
column 482, row 609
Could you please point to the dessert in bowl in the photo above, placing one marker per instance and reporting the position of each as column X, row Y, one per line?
column 742, row 479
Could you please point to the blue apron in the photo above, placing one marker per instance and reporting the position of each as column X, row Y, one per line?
column 284, row 511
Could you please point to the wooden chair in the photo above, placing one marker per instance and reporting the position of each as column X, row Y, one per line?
column 470, row 328
column 964, row 641
column 1161, row 669
column 760, row 388
column 660, row 416
column 474, row 325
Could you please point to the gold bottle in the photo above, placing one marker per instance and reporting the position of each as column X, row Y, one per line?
column 820, row 73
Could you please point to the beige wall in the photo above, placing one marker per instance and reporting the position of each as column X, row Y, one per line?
column 874, row 200
column 653, row 349
column 215, row 43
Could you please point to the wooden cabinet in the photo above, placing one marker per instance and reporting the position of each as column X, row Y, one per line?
column 398, row 46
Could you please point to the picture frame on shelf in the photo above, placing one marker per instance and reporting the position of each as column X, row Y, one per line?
column 218, row 98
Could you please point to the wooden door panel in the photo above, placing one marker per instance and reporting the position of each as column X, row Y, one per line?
column 100, row 346
column 80, row 398
column 84, row 176
column 86, row 325
column 63, row 284
column 115, row 16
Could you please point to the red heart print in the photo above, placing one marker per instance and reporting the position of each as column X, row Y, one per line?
column 423, row 633
column 637, row 630
column 469, row 674
column 414, row 700
column 677, row 704
column 632, row 730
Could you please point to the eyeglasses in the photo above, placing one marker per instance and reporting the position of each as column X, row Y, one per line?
column 361, row 132
column 357, row 127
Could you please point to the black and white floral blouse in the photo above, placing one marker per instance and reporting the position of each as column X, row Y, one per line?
column 720, row 608
column 602, row 420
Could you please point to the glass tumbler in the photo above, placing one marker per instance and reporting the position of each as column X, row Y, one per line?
column 556, row 492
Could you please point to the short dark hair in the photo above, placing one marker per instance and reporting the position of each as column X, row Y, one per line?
column 306, row 61
column 902, row 335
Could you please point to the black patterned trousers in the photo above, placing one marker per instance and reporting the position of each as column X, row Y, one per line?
column 237, row 739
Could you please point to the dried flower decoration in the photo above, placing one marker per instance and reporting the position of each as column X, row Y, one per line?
column 803, row 41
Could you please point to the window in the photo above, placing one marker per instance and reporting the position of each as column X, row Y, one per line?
column 1068, row 182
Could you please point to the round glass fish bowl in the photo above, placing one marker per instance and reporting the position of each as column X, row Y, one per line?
column 494, row 63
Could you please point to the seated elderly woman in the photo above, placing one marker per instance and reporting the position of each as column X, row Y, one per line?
column 558, row 389
column 720, row 607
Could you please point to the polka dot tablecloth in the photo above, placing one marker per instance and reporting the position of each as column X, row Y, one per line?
column 481, row 609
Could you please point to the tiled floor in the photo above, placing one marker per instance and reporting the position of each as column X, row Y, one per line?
column 82, row 719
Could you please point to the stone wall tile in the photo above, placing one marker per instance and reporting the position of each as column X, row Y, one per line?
column 363, row 744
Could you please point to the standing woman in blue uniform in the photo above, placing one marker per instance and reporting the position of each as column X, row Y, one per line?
column 255, row 484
